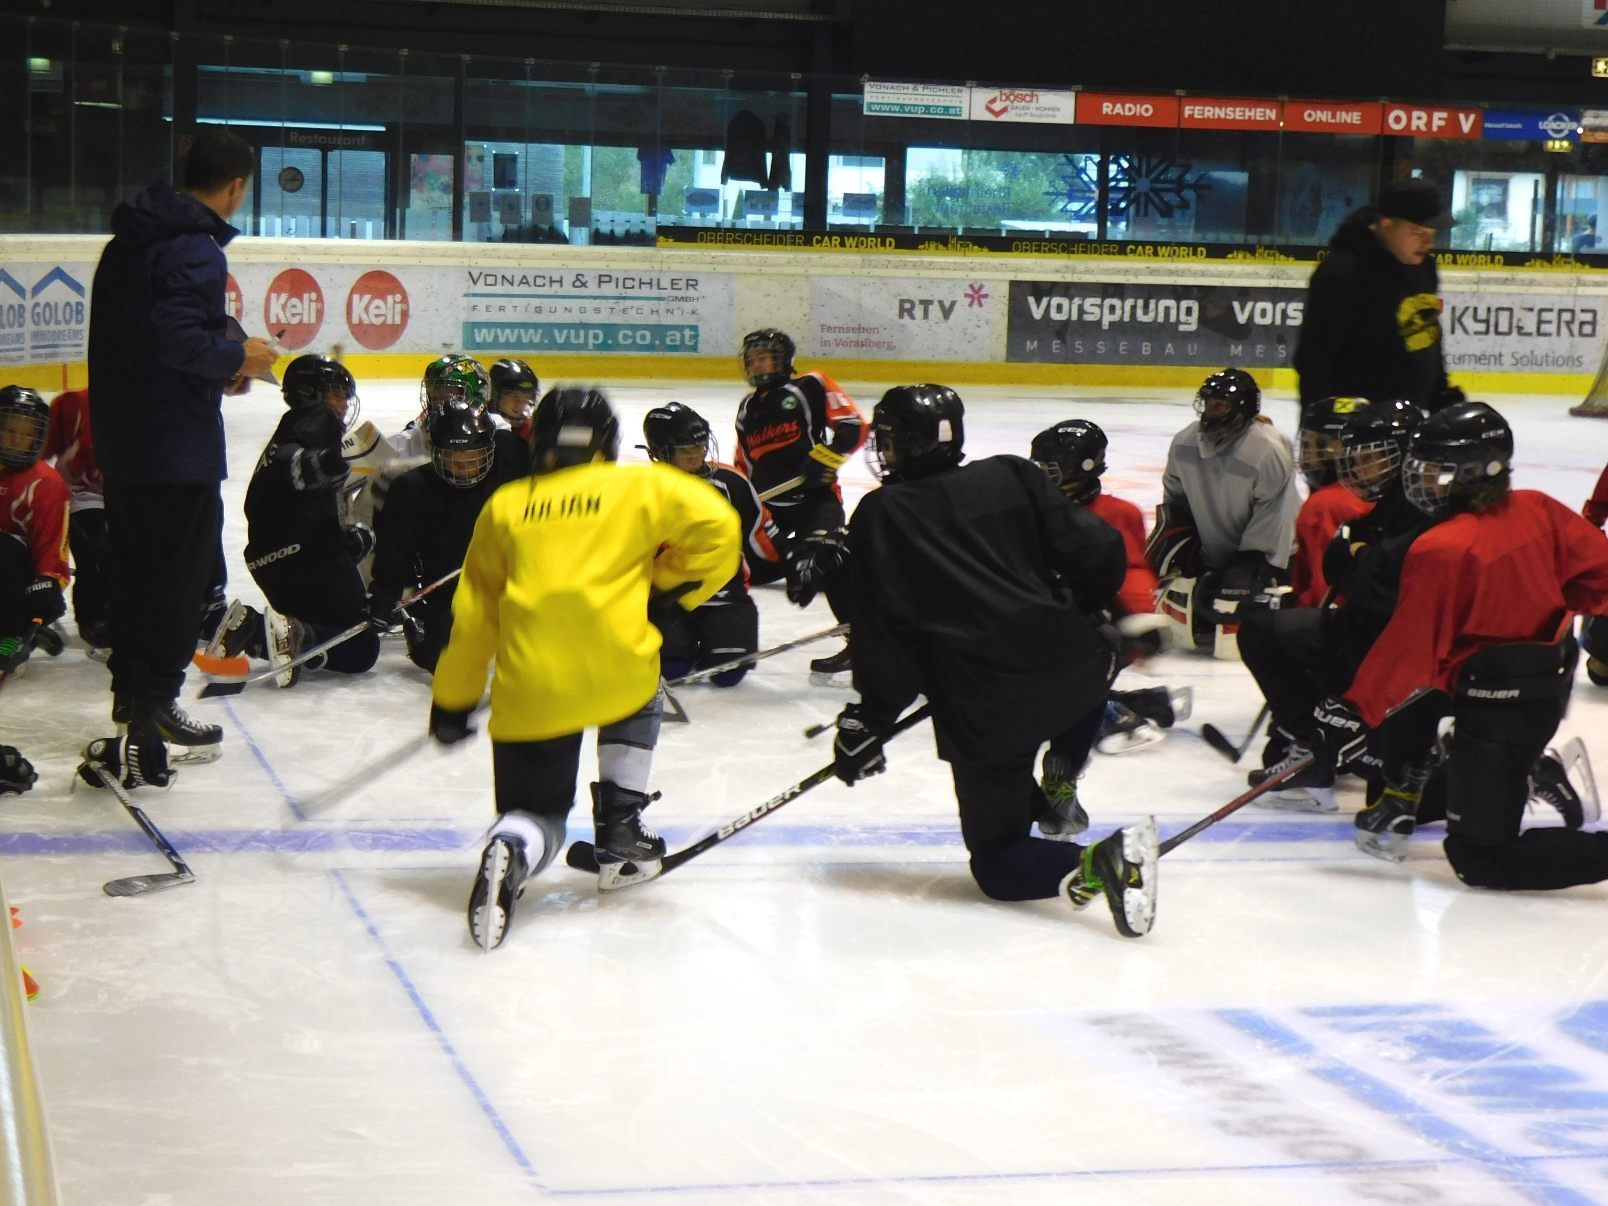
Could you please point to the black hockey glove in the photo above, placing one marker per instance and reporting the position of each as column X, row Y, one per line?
column 42, row 599
column 818, row 557
column 664, row 606
column 16, row 772
column 857, row 750
column 1240, row 587
column 821, row 469
column 385, row 614
column 448, row 726
column 319, row 469
column 359, row 541
column 1340, row 729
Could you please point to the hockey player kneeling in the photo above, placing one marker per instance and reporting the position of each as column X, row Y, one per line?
column 555, row 587
column 1226, row 523
column 298, row 551
column 972, row 586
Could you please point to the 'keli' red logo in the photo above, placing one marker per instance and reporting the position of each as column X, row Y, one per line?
column 294, row 308
column 234, row 302
column 377, row 309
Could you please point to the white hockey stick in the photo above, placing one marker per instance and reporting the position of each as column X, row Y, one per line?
column 142, row 885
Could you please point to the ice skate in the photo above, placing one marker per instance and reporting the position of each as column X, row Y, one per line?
column 1124, row 731
column 1549, row 783
column 1059, row 783
column 193, row 743
column 498, row 884
column 1161, row 706
column 1597, row 671
column 1312, row 790
column 1124, row 866
column 135, row 762
column 240, row 633
column 628, row 853
column 286, row 638
column 834, row 670
column 1385, row 827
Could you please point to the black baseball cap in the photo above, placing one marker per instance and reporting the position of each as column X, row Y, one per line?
column 1414, row 200
column 237, row 333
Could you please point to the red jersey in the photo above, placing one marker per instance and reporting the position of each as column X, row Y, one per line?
column 1596, row 508
column 33, row 508
column 779, row 424
column 1513, row 573
column 1319, row 519
column 68, row 439
column 1137, row 595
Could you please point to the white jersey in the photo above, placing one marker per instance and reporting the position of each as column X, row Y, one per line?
column 1243, row 497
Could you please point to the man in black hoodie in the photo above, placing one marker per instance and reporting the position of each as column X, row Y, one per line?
column 1372, row 322
column 160, row 359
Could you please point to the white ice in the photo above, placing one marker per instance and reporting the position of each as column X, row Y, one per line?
column 823, row 1009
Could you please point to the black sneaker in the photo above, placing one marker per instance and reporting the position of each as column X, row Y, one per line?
column 498, row 884
column 1549, row 781
column 1124, row 867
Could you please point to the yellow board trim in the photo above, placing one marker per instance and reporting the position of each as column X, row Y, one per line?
column 52, row 378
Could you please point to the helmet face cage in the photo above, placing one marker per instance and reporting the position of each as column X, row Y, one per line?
column 1454, row 458
column 1226, row 403
column 678, row 435
column 1317, row 455
column 513, row 390
column 432, row 390
column 24, row 421
column 1367, row 467
column 461, row 446
column 772, row 343
column 320, row 381
column 1072, row 454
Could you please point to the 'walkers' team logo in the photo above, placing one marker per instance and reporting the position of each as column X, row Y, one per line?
column 294, row 306
column 234, row 302
column 377, row 310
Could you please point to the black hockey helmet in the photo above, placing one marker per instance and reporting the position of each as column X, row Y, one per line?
column 1226, row 402
column 1458, row 460
column 1318, row 446
column 518, row 378
column 24, row 420
column 1374, row 442
column 461, row 445
column 778, row 344
column 1073, row 454
column 675, row 426
column 573, row 426
column 916, row 430
column 311, row 380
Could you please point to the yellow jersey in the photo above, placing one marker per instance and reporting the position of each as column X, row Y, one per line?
column 555, row 587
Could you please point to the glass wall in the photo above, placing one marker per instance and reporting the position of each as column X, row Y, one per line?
column 368, row 144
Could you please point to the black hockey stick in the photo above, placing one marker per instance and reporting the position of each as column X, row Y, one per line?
column 141, row 885
column 748, row 659
column 583, row 857
column 234, row 684
column 1237, row 803
column 1214, row 737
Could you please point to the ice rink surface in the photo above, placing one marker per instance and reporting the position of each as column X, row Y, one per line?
column 824, row 1009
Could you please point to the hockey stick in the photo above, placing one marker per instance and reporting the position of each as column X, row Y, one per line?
column 234, row 684
column 748, row 659
column 1237, row 803
column 792, row 483
column 1214, row 737
column 142, row 885
column 583, row 857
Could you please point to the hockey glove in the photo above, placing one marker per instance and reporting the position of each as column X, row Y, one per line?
column 42, row 599
column 1596, row 513
column 664, row 607
column 384, row 613
column 822, row 467
column 857, row 750
column 359, row 541
column 1340, row 729
column 449, row 726
column 824, row 554
column 1242, row 582
column 319, row 469
column 16, row 772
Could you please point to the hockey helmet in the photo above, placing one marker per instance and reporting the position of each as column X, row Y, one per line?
column 573, row 426
column 1374, row 441
column 462, row 447
column 24, row 420
column 319, row 381
column 1318, row 447
column 1459, row 460
column 675, row 432
column 916, row 430
column 1226, row 402
column 1073, row 454
column 773, row 344
column 516, row 378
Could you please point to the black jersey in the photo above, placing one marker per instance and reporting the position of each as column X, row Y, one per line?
column 422, row 532
column 291, row 510
column 777, row 425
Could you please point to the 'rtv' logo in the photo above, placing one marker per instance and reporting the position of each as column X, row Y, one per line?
column 377, row 309
column 294, row 308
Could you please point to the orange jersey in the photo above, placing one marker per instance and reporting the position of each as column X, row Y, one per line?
column 779, row 424
column 1138, row 593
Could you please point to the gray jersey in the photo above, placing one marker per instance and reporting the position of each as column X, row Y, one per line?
column 1243, row 497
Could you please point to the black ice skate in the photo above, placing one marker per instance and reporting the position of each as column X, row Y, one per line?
column 240, row 634
column 1161, row 706
column 1385, row 827
column 832, row 670
column 1059, row 783
column 1124, row 731
column 136, row 762
column 195, row 743
column 1312, row 790
column 500, row 882
column 627, row 851
column 1549, row 782
column 1124, row 866
column 286, row 638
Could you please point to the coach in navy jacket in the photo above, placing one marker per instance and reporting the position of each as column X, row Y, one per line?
column 159, row 363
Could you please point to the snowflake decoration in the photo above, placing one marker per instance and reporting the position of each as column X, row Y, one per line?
column 1142, row 185
column 1011, row 169
column 1078, row 191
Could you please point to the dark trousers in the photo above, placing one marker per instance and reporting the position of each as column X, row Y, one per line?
column 710, row 635
column 1286, row 653
column 16, row 575
column 328, row 597
column 91, row 547
column 433, row 615
column 536, row 776
column 820, row 510
column 163, row 541
column 997, row 807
